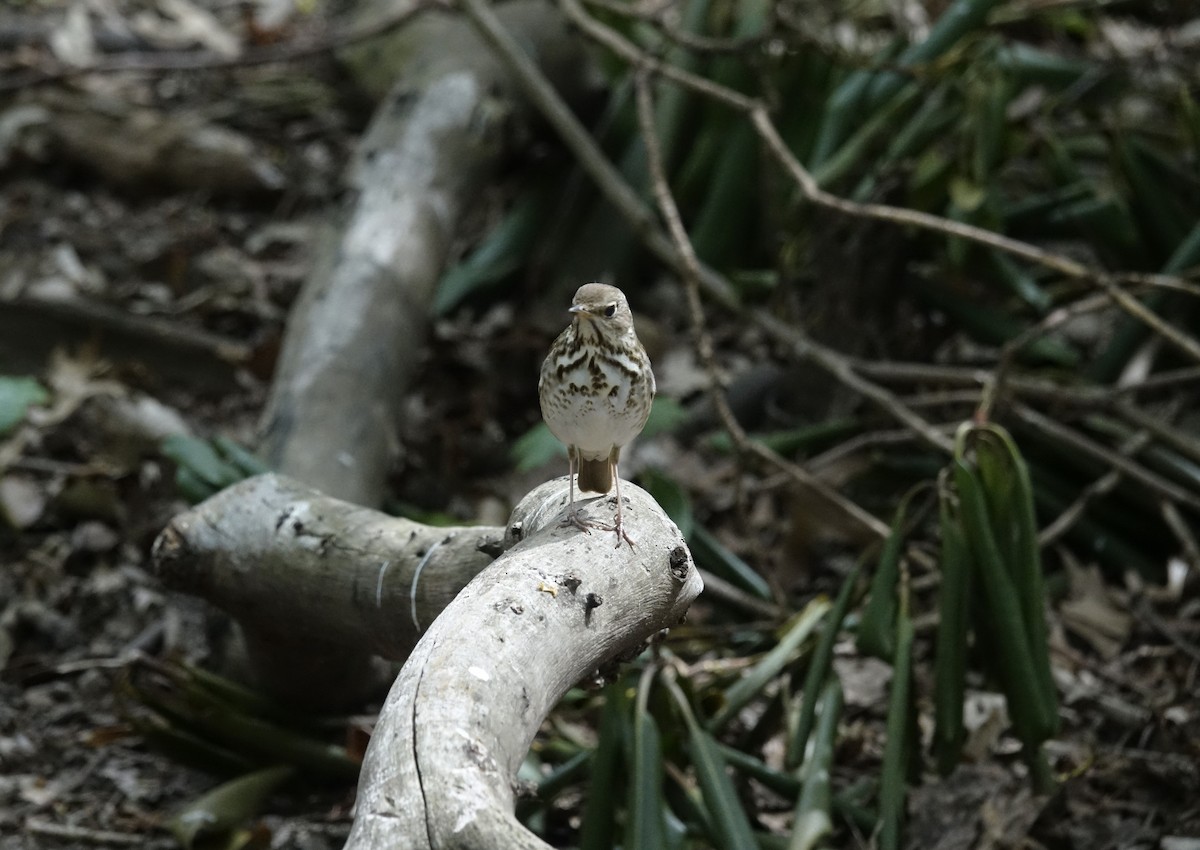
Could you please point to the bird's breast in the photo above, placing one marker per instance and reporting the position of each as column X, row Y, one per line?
column 595, row 400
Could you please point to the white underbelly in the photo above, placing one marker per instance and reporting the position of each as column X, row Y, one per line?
column 596, row 426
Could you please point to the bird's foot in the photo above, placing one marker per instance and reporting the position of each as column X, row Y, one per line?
column 619, row 528
column 575, row 519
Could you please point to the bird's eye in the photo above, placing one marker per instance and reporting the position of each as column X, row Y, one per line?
column 610, row 311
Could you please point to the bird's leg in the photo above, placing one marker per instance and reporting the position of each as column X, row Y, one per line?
column 573, row 518
column 618, row 527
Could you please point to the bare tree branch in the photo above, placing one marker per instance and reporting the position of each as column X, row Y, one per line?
column 460, row 717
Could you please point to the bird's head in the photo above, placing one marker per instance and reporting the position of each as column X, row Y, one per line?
column 603, row 309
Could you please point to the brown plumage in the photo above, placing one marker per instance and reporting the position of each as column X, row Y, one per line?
column 595, row 476
column 596, row 388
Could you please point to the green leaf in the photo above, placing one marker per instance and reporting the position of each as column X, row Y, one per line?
column 803, row 439
column 535, row 448
column 719, row 238
column 797, row 631
column 877, row 628
column 898, row 748
column 17, row 395
column 666, row 414
column 647, row 826
column 242, row 459
column 228, row 806
column 713, row 556
column 819, row 668
column 1009, row 496
column 950, row 661
column 201, row 459
column 501, row 252
column 726, row 815
column 966, row 195
column 1018, row 281
column 600, row 810
column 1033, row 717
column 1033, row 66
column 671, row 498
column 862, row 92
column 858, row 147
column 813, row 823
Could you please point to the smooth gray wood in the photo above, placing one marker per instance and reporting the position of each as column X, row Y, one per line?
column 462, row 713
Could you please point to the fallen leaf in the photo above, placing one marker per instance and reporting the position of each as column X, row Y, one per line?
column 22, row 501
column 1090, row 611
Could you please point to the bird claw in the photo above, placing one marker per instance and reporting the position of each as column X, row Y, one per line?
column 575, row 520
column 621, row 536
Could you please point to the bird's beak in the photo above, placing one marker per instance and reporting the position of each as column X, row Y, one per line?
column 577, row 308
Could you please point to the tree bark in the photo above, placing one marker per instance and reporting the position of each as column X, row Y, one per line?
column 292, row 565
column 552, row 610
column 278, row 556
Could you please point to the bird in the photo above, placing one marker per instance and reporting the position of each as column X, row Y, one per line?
column 596, row 388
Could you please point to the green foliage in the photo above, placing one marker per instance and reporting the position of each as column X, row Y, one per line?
column 217, row 815
column 998, row 118
column 203, row 467
column 219, row 725
column 17, row 395
column 502, row 251
column 813, row 820
column 993, row 541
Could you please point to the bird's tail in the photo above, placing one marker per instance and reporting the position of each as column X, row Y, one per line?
column 595, row 476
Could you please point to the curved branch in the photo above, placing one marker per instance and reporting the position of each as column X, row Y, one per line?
column 460, row 717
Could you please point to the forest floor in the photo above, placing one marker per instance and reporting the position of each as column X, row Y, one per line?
column 135, row 275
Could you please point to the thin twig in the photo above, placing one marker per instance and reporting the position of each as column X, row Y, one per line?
column 660, row 19
column 1008, row 353
column 1067, row 436
column 85, row 835
column 691, row 267
column 840, row 366
column 1187, row 540
column 1066, row 520
column 581, row 144
column 687, row 253
column 1074, row 512
column 719, row 588
column 691, row 277
column 1182, row 442
column 862, row 442
column 641, row 60
column 901, row 372
column 1149, row 617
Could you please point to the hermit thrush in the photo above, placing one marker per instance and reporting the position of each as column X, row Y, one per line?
column 596, row 389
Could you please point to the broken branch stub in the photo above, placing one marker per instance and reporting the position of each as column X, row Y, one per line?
column 462, row 713
column 295, row 567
